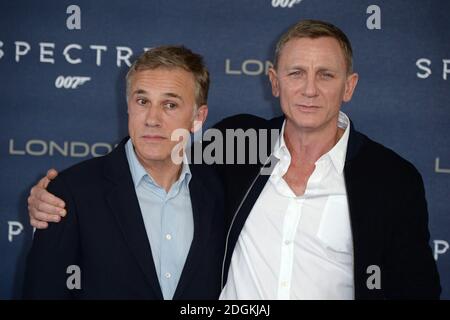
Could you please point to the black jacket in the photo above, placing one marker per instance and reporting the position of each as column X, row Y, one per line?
column 388, row 213
column 104, row 234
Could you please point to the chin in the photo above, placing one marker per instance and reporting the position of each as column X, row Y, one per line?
column 304, row 122
column 156, row 157
column 153, row 153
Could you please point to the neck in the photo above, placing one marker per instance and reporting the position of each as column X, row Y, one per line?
column 164, row 173
column 307, row 146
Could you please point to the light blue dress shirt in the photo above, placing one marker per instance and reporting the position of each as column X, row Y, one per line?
column 168, row 220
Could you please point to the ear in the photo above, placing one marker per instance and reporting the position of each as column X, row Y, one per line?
column 350, row 85
column 274, row 82
column 200, row 118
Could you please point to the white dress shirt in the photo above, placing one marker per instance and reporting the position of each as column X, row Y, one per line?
column 297, row 247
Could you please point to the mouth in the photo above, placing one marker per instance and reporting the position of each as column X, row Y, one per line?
column 153, row 137
column 307, row 108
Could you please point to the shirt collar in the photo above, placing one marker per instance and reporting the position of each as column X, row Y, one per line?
column 336, row 154
column 339, row 151
column 138, row 172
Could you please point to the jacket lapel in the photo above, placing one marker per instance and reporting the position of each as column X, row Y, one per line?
column 201, row 210
column 260, row 174
column 124, row 205
column 241, row 215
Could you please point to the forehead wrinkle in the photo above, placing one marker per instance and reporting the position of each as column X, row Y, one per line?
column 320, row 53
column 166, row 82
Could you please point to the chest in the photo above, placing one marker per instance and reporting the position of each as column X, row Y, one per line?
column 297, row 177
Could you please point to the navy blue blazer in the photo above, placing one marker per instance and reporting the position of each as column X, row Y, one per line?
column 388, row 213
column 104, row 234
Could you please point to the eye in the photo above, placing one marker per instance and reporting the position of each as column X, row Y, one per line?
column 170, row 105
column 141, row 101
column 327, row 75
column 296, row 73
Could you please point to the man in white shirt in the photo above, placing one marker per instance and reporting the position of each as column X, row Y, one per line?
column 338, row 216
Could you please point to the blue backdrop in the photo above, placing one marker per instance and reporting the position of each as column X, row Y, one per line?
column 62, row 92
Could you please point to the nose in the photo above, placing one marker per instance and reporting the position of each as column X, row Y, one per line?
column 310, row 87
column 153, row 117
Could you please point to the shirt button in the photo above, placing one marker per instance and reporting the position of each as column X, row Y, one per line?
column 287, row 242
column 284, row 284
column 167, row 275
column 168, row 236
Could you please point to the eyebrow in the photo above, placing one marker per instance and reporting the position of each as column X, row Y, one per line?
column 139, row 91
column 173, row 95
column 167, row 94
column 318, row 70
column 322, row 68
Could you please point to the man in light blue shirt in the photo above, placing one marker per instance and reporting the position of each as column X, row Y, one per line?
column 168, row 220
column 139, row 225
